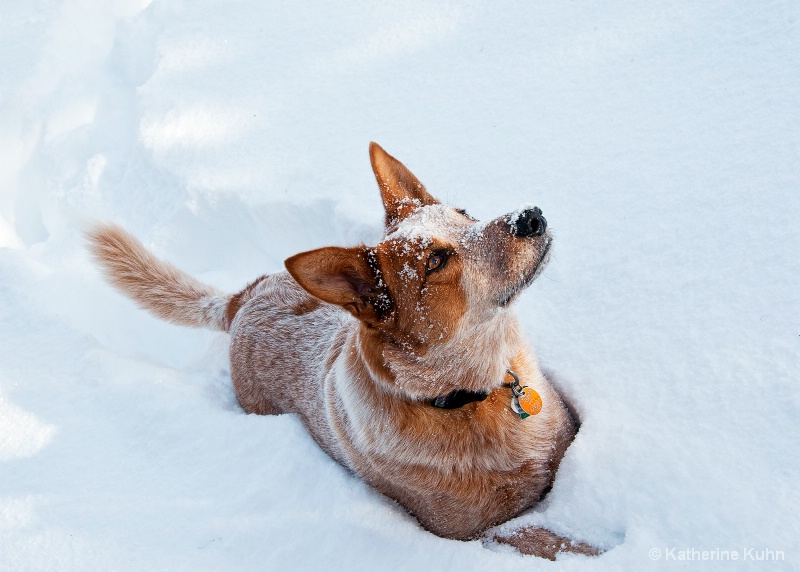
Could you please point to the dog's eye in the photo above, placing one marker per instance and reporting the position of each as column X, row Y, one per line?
column 435, row 261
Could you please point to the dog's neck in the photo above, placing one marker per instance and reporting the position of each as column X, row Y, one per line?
column 474, row 359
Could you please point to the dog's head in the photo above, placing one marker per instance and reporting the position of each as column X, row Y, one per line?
column 433, row 292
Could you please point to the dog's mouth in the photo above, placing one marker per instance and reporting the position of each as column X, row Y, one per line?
column 532, row 274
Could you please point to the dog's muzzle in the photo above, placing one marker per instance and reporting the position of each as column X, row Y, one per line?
column 529, row 222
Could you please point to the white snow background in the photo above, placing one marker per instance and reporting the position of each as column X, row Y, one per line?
column 661, row 140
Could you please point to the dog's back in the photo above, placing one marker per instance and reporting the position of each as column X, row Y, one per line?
column 283, row 341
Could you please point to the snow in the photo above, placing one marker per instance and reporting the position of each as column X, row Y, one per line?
column 660, row 140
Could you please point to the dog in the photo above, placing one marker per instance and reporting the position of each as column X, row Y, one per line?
column 404, row 360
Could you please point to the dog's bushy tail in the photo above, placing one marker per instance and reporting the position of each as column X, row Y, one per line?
column 155, row 285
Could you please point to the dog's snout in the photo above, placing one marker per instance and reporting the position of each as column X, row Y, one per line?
column 529, row 222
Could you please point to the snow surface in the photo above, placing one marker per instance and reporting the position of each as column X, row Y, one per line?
column 660, row 139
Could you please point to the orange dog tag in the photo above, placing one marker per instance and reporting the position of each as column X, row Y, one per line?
column 530, row 401
column 525, row 401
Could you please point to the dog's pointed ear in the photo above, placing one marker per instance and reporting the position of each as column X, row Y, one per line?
column 346, row 277
column 401, row 191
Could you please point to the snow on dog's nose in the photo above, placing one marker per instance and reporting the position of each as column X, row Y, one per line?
column 528, row 222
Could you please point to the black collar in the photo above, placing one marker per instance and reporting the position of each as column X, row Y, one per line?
column 458, row 398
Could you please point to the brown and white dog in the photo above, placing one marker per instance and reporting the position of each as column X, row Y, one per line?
column 395, row 356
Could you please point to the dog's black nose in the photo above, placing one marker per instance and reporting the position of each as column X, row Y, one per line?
column 529, row 222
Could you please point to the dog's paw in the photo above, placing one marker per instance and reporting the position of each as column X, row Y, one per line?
column 543, row 543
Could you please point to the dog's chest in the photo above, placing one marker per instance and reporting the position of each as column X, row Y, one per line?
column 463, row 478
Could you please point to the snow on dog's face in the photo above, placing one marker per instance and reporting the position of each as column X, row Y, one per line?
column 436, row 286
